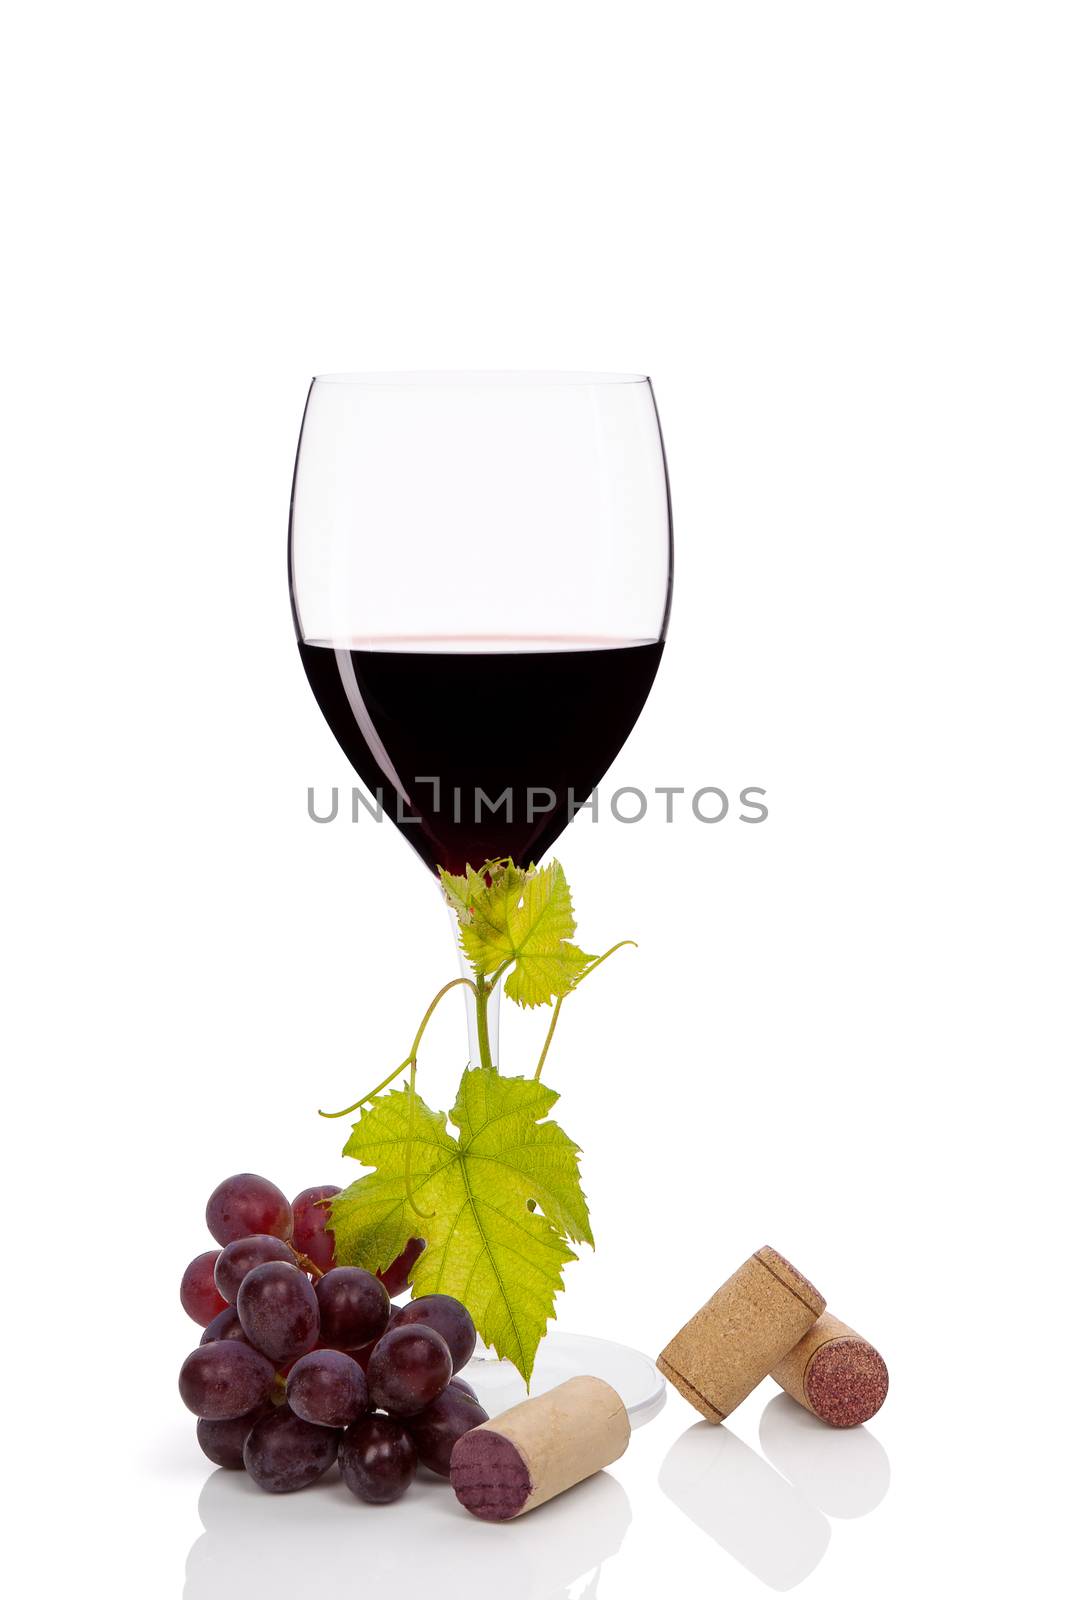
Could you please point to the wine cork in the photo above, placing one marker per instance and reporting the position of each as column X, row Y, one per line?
column 836, row 1373
column 744, row 1330
column 534, row 1451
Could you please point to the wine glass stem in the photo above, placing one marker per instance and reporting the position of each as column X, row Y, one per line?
column 483, row 1011
column 483, row 1040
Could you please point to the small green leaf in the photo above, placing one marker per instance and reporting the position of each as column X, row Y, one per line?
column 525, row 921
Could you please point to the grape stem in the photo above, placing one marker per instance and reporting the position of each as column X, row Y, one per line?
column 306, row 1263
column 409, row 1059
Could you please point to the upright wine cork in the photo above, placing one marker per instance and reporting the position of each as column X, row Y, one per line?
column 744, row 1330
column 534, row 1451
column 836, row 1373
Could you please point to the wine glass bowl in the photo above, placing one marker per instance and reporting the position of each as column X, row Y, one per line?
column 480, row 572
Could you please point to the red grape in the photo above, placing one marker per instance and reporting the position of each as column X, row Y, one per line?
column 396, row 1276
column 377, row 1459
column 435, row 1430
column 200, row 1298
column 353, row 1307
column 247, row 1204
column 449, row 1317
column 409, row 1368
column 224, row 1379
column 223, row 1441
column 238, row 1259
column 327, row 1387
column 278, row 1310
column 227, row 1325
column 283, row 1452
column 310, row 1234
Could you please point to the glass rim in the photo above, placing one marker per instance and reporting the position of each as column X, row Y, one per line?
column 503, row 379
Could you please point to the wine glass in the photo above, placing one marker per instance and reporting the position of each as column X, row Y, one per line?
column 480, row 571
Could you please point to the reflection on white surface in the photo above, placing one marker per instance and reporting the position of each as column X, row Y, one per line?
column 322, row 1541
column 844, row 1471
column 563, row 1355
column 744, row 1505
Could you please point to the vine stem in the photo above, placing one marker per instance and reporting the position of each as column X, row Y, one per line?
column 548, row 1037
column 482, row 991
column 560, row 999
column 408, row 1191
column 594, row 964
column 431, row 1008
column 409, row 1059
column 498, row 974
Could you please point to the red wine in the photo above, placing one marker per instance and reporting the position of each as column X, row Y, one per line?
column 444, row 737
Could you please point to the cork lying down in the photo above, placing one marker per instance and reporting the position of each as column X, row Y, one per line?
column 539, row 1448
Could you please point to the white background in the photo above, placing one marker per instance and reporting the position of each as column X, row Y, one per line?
column 834, row 235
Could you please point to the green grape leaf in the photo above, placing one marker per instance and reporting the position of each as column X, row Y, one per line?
column 484, row 1243
column 525, row 921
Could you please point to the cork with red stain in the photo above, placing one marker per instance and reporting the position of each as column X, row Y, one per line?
column 745, row 1329
column 835, row 1373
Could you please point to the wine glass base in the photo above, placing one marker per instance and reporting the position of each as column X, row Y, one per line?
column 570, row 1355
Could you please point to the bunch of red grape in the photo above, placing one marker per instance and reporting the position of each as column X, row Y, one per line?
column 303, row 1363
